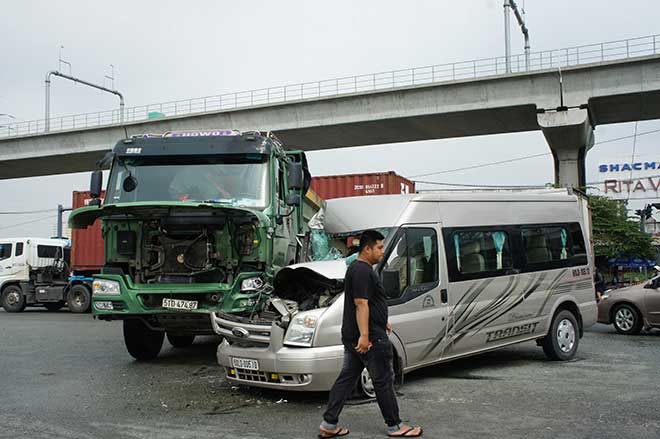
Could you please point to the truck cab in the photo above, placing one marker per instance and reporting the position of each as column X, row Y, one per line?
column 194, row 222
column 33, row 271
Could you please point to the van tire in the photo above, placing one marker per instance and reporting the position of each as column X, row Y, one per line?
column 627, row 320
column 79, row 299
column 561, row 342
column 180, row 341
column 13, row 299
column 53, row 306
column 142, row 343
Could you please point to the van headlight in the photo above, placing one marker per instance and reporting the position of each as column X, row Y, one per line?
column 252, row 284
column 102, row 287
column 302, row 328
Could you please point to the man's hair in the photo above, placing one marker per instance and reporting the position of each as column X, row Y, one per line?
column 369, row 238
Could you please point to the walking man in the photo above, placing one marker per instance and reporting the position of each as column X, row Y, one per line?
column 364, row 335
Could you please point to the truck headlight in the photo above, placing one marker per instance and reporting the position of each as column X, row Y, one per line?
column 302, row 328
column 102, row 287
column 252, row 284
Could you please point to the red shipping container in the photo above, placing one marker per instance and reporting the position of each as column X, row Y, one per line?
column 86, row 244
column 356, row 185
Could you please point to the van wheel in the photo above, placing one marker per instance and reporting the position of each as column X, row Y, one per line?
column 627, row 320
column 180, row 341
column 53, row 306
column 13, row 299
column 366, row 385
column 142, row 342
column 79, row 299
column 562, row 340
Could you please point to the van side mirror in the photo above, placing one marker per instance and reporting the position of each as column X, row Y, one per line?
column 293, row 200
column 391, row 283
column 96, row 184
column 295, row 177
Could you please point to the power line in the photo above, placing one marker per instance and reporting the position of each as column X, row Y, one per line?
column 27, row 222
column 27, row 212
column 517, row 159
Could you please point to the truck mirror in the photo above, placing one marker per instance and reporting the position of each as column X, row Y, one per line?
column 96, row 184
column 129, row 184
column 391, row 283
column 295, row 179
column 293, row 200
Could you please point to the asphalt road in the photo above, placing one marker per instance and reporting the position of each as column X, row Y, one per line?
column 67, row 376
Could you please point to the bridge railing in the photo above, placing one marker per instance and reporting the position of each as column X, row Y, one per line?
column 418, row 76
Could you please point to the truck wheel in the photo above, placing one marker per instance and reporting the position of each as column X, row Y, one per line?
column 142, row 343
column 79, row 299
column 13, row 299
column 562, row 340
column 627, row 320
column 180, row 341
column 53, row 306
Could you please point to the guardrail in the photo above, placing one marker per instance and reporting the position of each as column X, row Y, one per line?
column 433, row 74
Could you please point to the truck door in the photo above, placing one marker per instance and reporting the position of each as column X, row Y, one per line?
column 7, row 268
column 418, row 310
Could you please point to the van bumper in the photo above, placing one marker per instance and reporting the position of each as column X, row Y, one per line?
column 286, row 368
column 589, row 311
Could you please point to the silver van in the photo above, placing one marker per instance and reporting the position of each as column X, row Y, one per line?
column 465, row 273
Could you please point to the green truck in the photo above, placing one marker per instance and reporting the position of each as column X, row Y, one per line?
column 194, row 222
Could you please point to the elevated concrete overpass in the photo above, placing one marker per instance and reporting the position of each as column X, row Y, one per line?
column 596, row 93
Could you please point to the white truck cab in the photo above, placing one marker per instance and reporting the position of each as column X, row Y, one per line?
column 33, row 270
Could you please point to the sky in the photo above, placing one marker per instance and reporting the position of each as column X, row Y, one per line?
column 167, row 50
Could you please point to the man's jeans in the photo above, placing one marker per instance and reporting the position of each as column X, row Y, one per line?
column 379, row 362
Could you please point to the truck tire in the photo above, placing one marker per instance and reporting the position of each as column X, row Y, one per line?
column 180, row 341
column 79, row 299
column 54, row 306
column 561, row 342
column 13, row 299
column 142, row 343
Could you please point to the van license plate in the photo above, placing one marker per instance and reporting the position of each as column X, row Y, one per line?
column 186, row 305
column 244, row 363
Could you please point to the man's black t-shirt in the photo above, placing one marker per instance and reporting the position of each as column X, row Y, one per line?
column 362, row 282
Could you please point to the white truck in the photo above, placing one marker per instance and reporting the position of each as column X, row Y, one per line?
column 36, row 271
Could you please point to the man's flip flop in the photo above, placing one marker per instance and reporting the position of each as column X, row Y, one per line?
column 407, row 433
column 340, row 432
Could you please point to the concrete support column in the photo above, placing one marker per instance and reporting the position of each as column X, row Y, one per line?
column 570, row 135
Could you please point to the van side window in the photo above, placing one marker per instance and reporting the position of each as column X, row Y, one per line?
column 48, row 251
column 19, row 249
column 482, row 251
column 415, row 257
column 547, row 247
column 5, row 251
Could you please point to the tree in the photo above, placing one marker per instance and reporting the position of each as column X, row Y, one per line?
column 614, row 235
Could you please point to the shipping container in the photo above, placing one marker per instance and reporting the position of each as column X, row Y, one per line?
column 86, row 244
column 355, row 185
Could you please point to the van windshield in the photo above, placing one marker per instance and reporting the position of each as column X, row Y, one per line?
column 239, row 180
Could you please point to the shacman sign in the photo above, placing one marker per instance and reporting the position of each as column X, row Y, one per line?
column 628, row 182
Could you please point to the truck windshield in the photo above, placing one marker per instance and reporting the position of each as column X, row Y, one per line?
column 236, row 180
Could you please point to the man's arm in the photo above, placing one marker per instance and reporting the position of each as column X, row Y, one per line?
column 362, row 317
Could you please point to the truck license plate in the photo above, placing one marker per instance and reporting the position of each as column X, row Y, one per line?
column 244, row 363
column 186, row 305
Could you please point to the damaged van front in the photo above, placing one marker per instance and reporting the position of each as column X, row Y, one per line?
column 295, row 343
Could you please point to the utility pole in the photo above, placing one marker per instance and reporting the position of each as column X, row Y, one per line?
column 60, row 210
column 511, row 5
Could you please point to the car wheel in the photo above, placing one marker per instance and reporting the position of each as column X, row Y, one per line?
column 79, row 299
column 366, row 385
column 53, row 306
column 142, row 342
column 180, row 341
column 561, row 342
column 627, row 320
column 13, row 299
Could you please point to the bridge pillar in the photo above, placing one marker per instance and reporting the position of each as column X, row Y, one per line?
column 570, row 135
